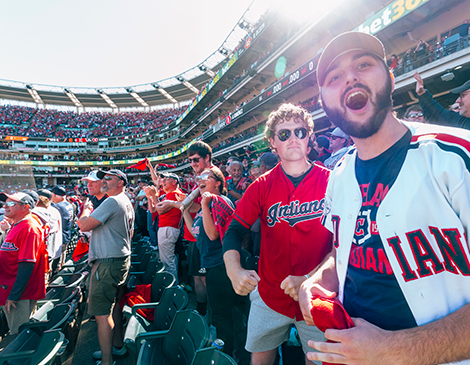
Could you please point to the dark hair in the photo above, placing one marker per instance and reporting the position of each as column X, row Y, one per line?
column 219, row 176
column 202, row 149
column 415, row 107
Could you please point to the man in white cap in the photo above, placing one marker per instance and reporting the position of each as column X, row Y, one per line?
column 94, row 184
column 398, row 205
column 22, row 261
column 338, row 147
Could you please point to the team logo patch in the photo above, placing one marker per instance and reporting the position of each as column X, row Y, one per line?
column 294, row 212
column 8, row 246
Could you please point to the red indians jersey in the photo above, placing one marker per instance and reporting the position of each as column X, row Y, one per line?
column 23, row 243
column 293, row 240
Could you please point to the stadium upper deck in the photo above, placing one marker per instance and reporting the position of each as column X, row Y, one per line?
column 251, row 84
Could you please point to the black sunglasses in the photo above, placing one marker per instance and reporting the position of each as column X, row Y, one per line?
column 195, row 159
column 284, row 134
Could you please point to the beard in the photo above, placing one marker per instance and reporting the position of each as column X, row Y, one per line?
column 381, row 106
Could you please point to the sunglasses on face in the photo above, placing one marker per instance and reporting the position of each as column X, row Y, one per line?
column 334, row 138
column 195, row 159
column 12, row 204
column 284, row 134
column 415, row 115
column 204, row 177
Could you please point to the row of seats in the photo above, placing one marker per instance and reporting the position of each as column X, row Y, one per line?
column 174, row 335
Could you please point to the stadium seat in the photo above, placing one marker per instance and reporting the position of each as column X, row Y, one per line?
column 178, row 345
column 31, row 348
column 212, row 356
column 54, row 319
column 173, row 300
column 146, row 276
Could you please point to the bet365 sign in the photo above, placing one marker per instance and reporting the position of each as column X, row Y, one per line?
column 389, row 14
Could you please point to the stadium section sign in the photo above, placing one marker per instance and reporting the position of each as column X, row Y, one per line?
column 388, row 15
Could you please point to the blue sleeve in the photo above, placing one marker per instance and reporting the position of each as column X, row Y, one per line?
column 435, row 113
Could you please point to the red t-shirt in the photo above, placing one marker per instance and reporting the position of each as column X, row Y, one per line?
column 23, row 243
column 172, row 218
column 293, row 240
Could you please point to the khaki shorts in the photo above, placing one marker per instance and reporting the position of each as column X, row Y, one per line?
column 268, row 329
column 20, row 315
column 105, row 279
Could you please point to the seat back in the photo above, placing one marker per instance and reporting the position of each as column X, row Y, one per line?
column 153, row 267
column 210, row 355
column 160, row 282
column 173, row 300
column 57, row 318
column 29, row 348
column 188, row 333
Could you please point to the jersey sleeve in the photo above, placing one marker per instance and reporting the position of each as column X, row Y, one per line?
column 326, row 218
column 105, row 211
column 249, row 207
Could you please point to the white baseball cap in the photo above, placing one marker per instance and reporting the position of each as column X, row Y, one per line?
column 92, row 176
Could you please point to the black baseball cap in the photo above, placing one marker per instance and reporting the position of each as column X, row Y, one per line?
column 170, row 174
column 32, row 194
column 19, row 197
column 57, row 190
column 46, row 193
column 118, row 173
column 461, row 89
column 268, row 159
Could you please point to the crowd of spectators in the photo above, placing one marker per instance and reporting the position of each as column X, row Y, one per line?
column 49, row 123
column 431, row 50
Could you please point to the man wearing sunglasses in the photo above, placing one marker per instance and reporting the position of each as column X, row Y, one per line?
column 22, row 261
column 338, row 147
column 289, row 202
column 399, row 206
column 200, row 158
column 435, row 113
column 109, row 254
column 414, row 114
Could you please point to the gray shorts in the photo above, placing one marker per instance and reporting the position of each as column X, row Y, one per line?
column 268, row 329
column 105, row 279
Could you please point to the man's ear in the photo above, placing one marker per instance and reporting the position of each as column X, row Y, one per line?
column 271, row 143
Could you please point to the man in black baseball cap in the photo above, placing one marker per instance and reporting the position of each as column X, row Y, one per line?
column 435, row 113
column 121, row 175
column 170, row 175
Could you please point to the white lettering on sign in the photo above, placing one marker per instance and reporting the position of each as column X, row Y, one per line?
column 388, row 15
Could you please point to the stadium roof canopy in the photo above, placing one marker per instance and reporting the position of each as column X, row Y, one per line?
column 180, row 88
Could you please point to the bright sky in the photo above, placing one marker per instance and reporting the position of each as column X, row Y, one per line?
column 109, row 43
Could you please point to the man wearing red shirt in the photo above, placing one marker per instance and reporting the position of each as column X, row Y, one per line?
column 169, row 223
column 23, row 261
column 289, row 202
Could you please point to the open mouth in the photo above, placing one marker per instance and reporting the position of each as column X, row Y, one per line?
column 357, row 100
column 202, row 186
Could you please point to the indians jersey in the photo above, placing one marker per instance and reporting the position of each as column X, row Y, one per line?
column 293, row 240
column 23, row 243
column 423, row 220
